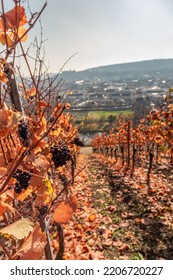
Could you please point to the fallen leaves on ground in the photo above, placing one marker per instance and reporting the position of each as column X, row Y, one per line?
column 116, row 218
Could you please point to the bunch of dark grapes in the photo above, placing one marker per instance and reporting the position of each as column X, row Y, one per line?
column 24, row 134
column 60, row 155
column 78, row 142
column 23, row 180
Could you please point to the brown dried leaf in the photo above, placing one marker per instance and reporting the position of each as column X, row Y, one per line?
column 33, row 246
column 41, row 163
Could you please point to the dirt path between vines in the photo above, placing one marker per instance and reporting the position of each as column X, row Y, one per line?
column 116, row 218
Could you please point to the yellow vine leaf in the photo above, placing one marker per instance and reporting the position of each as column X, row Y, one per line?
column 48, row 185
column 33, row 246
column 18, row 230
column 44, row 193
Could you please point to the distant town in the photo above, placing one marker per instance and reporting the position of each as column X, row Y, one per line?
column 119, row 88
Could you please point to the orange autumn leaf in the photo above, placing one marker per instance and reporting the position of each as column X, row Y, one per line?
column 138, row 220
column 43, row 198
column 140, row 187
column 40, row 163
column 92, row 217
column 3, row 170
column 56, row 132
column 67, row 105
column 4, row 206
column 2, row 76
column 31, row 92
column 42, row 143
column 64, row 210
column 14, row 18
column 37, row 178
column 7, row 39
column 21, row 32
column 124, row 247
column 1, row 24
column 42, row 104
column 73, row 202
column 33, row 246
column 24, row 194
column 42, row 126
column 44, row 192
column 8, row 195
column 5, row 114
column 63, row 213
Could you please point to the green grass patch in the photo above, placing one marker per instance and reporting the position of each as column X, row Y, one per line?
column 105, row 114
column 99, row 120
column 100, row 115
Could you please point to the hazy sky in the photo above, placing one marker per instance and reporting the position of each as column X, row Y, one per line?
column 105, row 31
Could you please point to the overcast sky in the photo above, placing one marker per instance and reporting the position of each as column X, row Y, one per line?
column 105, row 31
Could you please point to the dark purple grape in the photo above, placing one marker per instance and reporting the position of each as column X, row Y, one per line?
column 17, row 188
column 23, row 180
column 24, row 134
column 60, row 155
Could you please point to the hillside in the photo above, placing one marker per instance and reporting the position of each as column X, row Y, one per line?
column 154, row 65
column 131, row 69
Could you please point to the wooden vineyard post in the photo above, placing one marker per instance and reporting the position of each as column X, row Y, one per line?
column 128, row 144
column 133, row 161
column 122, row 153
column 60, row 253
column 115, row 153
column 14, row 94
column 151, row 155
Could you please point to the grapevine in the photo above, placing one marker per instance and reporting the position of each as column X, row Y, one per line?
column 151, row 139
column 37, row 142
